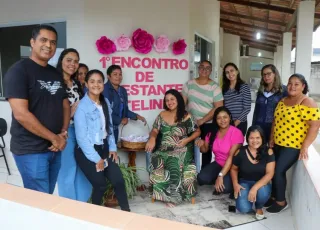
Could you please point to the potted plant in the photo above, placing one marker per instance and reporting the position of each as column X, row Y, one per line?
column 132, row 181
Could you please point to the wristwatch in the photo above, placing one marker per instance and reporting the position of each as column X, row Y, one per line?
column 220, row 174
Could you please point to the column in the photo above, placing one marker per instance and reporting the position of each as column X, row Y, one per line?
column 286, row 57
column 305, row 21
column 279, row 59
column 231, row 51
column 275, row 56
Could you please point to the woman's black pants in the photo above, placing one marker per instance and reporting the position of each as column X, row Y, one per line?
column 286, row 157
column 98, row 180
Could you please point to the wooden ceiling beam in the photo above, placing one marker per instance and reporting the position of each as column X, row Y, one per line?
column 253, row 18
column 251, row 26
column 265, row 6
column 258, row 42
column 247, row 36
column 258, row 46
column 261, row 6
column 265, row 34
column 261, row 47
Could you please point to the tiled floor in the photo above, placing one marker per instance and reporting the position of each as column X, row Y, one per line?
column 209, row 210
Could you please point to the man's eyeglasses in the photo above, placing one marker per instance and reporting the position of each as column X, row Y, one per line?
column 205, row 68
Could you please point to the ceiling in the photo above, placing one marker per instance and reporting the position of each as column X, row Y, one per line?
column 270, row 17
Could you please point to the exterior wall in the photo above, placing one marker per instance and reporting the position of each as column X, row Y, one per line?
column 88, row 20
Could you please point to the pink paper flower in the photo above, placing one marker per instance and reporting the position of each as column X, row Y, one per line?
column 179, row 47
column 142, row 41
column 123, row 43
column 105, row 45
column 162, row 44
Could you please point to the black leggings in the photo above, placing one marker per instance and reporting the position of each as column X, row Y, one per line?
column 98, row 179
column 209, row 174
column 285, row 158
column 243, row 127
column 205, row 129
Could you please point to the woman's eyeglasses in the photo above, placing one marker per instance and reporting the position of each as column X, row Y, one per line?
column 267, row 74
column 205, row 68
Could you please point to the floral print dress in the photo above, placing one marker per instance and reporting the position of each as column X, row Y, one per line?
column 173, row 172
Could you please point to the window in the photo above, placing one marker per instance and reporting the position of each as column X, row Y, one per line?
column 15, row 45
column 256, row 66
column 202, row 51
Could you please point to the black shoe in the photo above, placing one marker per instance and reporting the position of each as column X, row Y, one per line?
column 231, row 196
column 276, row 208
column 269, row 203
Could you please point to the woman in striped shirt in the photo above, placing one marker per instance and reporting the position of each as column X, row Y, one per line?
column 237, row 96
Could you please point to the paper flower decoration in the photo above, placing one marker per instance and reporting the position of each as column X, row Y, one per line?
column 122, row 43
column 142, row 41
column 179, row 47
column 105, row 45
column 162, row 44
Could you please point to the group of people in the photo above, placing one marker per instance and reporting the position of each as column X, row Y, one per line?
column 65, row 122
column 65, row 129
column 211, row 121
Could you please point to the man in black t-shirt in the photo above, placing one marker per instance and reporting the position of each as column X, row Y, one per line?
column 40, row 113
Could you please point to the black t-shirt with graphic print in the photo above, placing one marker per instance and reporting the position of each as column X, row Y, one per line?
column 44, row 89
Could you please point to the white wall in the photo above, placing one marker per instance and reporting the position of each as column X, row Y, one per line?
column 88, row 20
column 221, row 33
column 314, row 86
column 266, row 54
column 231, row 49
column 305, row 192
column 265, row 59
column 205, row 20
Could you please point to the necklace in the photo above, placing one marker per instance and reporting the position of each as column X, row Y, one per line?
column 250, row 154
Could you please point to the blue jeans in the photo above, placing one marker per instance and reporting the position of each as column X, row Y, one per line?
column 72, row 183
column 197, row 158
column 39, row 171
column 116, row 135
column 148, row 161
column 244, row 205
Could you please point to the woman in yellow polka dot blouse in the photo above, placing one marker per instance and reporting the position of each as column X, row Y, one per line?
column 295, row 127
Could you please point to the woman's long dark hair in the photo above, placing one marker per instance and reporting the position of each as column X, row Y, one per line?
column 181, row 108
column 303, row 81
column 226, row 81
column 62, row 55
column 102, row 99
column 73, row 76
column 263, row 149
column 215, row 127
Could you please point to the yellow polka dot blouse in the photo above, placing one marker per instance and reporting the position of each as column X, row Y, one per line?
column 291, row 127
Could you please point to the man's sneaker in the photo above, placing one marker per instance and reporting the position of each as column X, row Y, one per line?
column 276, row 208
column 269, row 203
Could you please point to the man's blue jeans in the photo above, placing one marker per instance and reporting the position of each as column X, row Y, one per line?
column 39, row 171
column 244, row 205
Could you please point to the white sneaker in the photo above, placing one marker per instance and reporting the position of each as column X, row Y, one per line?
column 259, row 216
